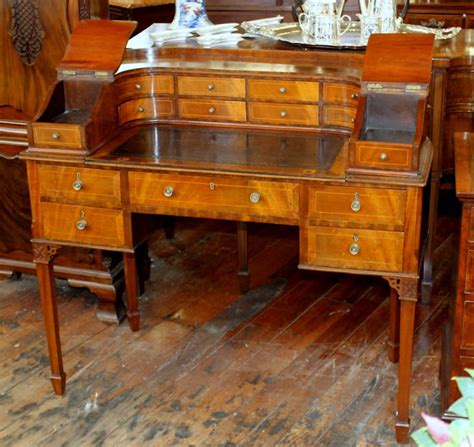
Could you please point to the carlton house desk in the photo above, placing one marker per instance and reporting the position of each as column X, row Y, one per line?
column 333, row 143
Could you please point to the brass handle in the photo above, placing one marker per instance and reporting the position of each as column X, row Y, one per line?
column 212, row 186
column 78, row 183
column 383, row 156
column 212, row 109
column 81, row 224
column 138, row 86
column 283, row 114
column 355, row 205
column 254, row 197
column 353, row 120
column 56, row 136
column 354, row 249
column 354, row 96
column 141, row 109
column 210, row 86
column 168, row 191
column 282, row 90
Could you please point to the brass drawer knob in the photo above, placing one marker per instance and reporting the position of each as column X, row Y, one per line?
column 56, row 136
column 78, row 183
column 354, row 95
column 354, row 249
column 81, row 224
column 212, row 186
column 282, row 90
column 355, row 204
column 138, row 86
column 353, row 120
column 383, row 156
column 254, row 197
column 283, row 114
column 210, row 86
column 141, row 109
column 168, row 191
column 212, row 110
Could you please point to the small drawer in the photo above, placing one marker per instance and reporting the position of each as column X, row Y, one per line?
column 336, row 92
column 80, row 185
column 342, row 116
column 352, row 249
column 83, row 225
column 337, row 205
column 283, row 91
column 197, row 109
column 202, row 196
column 467, row 336
column 57, row 135
column 207, row 86
column 130, row 87
column 284, row 114
column 145, row 108
column 376, row 155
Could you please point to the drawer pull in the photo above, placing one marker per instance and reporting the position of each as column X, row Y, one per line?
column 78, row 183
column 212, row 186
column 210, row 86
column 383, row 156
column 81, row 224
column 353, row 120
column 141, row 109
column 138, row 86
column 283, row 114
column 354, row 95
column 282, row 90
column 168, row 191
column 254, row 197
column 354, row 249
column 212, row 110
column 56, row 136
column 355, row 205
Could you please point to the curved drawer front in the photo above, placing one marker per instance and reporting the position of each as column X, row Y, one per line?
column 336, row 92
column 83, row 225
column 357, row 205
column 283, row 91
column 144, row 85
column 352, row 248
column 209, row 110
column 57, row 135
column 207, row 194
column 342, row 116
column 373, row 155
column 83, row 185
column 209, row 86
column 145, row 108
column 281, row 114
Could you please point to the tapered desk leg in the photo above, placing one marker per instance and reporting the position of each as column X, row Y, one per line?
column 393, row 342
column 131, row 284
column 244, row 274
column 43, row 255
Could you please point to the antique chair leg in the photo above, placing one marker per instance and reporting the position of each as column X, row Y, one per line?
column 244, row 274
column 393, row 342
column 131, row 284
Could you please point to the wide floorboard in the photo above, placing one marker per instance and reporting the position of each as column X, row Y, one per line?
column 299, row 360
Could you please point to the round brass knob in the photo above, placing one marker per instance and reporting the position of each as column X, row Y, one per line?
column 141, row 109
column 254, row 197
column 354, row 95
column 355, row 204
column 283, row 114
column 138, row 86
column 81, row 224
column 168, row 191
column 212, row 110
column 353, row 120
column 383, row 156
column 56, row 136
column 78, row 183
column 354, row 249
column 210, row 86
column 282, row 90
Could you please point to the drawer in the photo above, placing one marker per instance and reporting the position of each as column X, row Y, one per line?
column 357, row 205
column 336, row 92
column 205, row 195
column 352, row 249
column 373, row 155
column 208, row 86
column 283, row 91
column 212, row 110
column 57, row 135
column 467, row 336
column 145, row 108
column 144, row 85
column 102, row 227
column 342, row 116
column 83, row 185
column 284, row 114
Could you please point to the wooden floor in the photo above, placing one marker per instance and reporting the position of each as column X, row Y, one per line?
column 297, row 361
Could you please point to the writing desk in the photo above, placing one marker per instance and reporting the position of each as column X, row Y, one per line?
column 228, row 134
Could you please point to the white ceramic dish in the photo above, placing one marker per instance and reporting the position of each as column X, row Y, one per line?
column 219, row 39
column 216, row 29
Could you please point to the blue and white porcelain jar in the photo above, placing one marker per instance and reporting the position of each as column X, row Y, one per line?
column 190, row 14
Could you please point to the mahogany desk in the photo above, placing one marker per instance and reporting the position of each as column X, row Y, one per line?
column 249, row 136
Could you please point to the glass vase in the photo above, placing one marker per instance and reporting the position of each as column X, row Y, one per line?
column 190, row 14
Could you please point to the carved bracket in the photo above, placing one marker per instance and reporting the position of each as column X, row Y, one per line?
column 26, row 30
column 44, row 254
column 407, row 288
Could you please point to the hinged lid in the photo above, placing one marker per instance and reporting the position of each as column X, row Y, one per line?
column 96, row 48
column 399, row 59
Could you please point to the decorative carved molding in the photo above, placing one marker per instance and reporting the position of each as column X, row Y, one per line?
column 407, row 288
column 44, row 254
column 84, row 9
column 394, row 283
column 26, row 30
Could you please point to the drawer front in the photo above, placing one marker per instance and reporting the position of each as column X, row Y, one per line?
column 283, row 91
column 102, row 227
column 284, row 114
column 342, row 116
column 352, row 249
column 358, row 205
column 467, row 336
column 57, row 135
column 145, row 108
column 212, row 110
column 374, row 156
column 207, row 194
column 334, row 92
column 208, row 86
column 84, row 185
column 145, row 85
